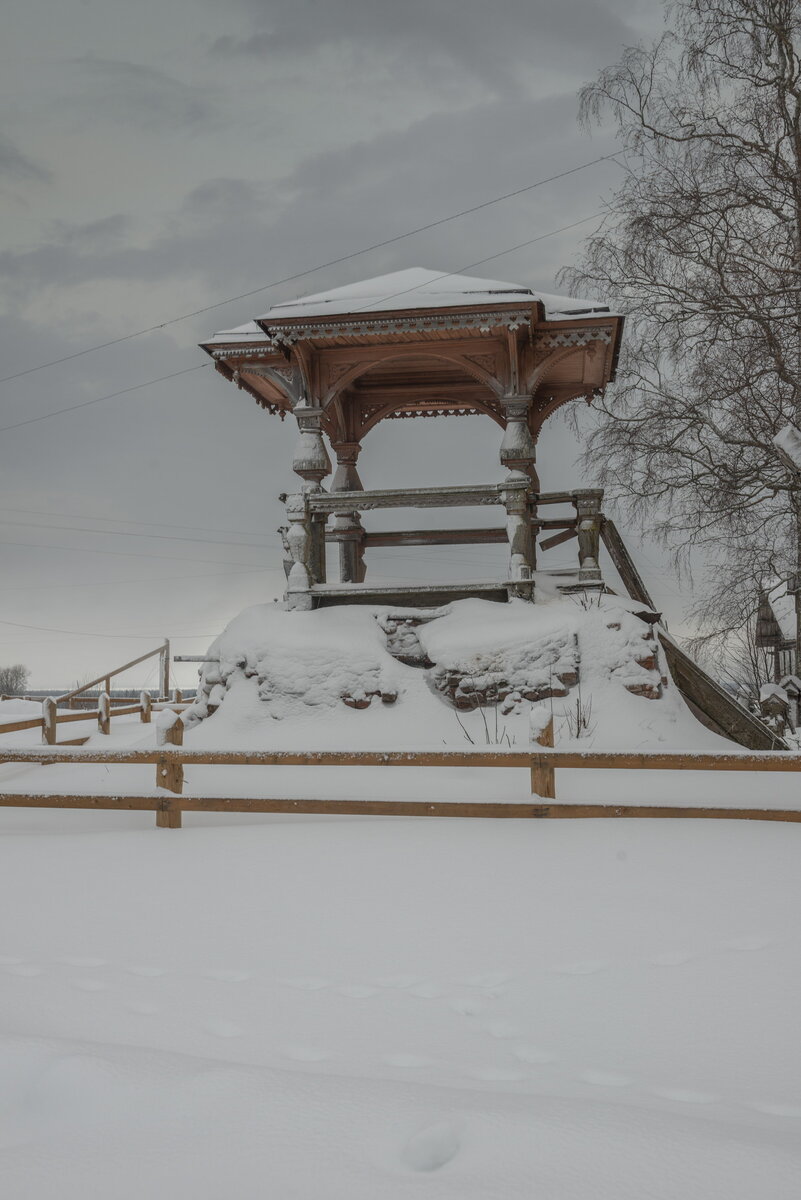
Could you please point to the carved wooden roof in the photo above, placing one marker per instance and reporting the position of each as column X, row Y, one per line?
column 453, row 349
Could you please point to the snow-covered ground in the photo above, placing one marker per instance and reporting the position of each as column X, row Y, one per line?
column 397, row 1007
column 361, row 1008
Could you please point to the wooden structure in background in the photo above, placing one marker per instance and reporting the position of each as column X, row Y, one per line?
column 420, row 344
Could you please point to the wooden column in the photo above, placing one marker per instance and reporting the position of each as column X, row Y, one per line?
column 350, row 532
column 298, row 544
column 588, row 528
column 517, row 455
column 312, row 463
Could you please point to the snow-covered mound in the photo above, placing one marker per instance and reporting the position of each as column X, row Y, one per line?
column 432, row 677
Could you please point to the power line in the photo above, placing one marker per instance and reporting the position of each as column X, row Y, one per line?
column 334, row 262
column 447, row 274
column 129, row 533
column 124, row 636
column 159, row 579
column 85, row 404
column 469, row 266
column 214, row 562
column 37, row 512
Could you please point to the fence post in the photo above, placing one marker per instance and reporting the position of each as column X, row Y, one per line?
column 147, row 708
column 49, row 721
column 169, row 775
column 164, row 671
column 178, row 696
column 542, row 777
column 104, row 713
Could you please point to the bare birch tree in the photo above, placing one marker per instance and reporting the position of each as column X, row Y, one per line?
column 701, row 247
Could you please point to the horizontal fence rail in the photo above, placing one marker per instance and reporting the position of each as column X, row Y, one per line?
column 104, row 709
column 169, row 803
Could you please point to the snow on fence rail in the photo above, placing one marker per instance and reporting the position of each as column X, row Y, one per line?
column 51, row 718
column 168, row 801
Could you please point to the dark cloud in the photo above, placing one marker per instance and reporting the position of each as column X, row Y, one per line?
column 130, row 91
column 234, row 232
column 17, row 166
column 486, row 39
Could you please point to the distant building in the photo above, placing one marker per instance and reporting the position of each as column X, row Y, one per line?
column 776, row 628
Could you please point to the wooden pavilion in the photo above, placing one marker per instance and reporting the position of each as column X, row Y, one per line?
column 419, row 343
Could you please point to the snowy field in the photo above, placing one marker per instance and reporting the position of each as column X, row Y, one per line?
column 376, row 1009
column 396, row 1007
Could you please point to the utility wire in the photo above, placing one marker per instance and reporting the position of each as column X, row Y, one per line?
column 469, row 266
column 311, row 270
column 148, row 383
column 158, row 579
column 85, row 404
column 129, row 533
column 214, row 562
column 38, row 512
column 124, row 636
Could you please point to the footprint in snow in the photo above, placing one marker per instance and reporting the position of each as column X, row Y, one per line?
column 579, row 968
column 671, row 958
column 491, row 979
column 141, row 1008
column 357, row 991
column 26, row 970
column 306, row 1054
column 223, row 1029
column 227, row 976
column 605, row 1079
column 407, row 1061
column 468, row 1006
column 147, row 972
column 311, row 983
column 432, row 1148
column 684, row 1095
column 397, row 981
column 497, row 1074
column 533, row 1055
column 426, row 991
column 72, row 961
column 499, row 1028
column 777, row 1110
column 90, row 985
column 750, row 942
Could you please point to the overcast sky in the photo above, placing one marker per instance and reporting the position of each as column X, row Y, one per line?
column 161, row 156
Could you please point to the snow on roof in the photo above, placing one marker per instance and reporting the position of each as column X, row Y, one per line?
column 416, row 287
column 783, row 608
column 788, row 442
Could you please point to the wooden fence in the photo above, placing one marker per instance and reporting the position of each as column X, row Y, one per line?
column 169, row 802
column 51, row 718
column 104, row 705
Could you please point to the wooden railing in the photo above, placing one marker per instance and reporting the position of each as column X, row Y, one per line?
column 306, row 534
column 51, row 718
column 163, row 653
column 169, row 802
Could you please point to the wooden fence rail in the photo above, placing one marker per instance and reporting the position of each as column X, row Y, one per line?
column 168, row 800
column 51, row 718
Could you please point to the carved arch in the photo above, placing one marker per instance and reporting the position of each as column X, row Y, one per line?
column 362, row 368
column 537, row 375
column 482, row 409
